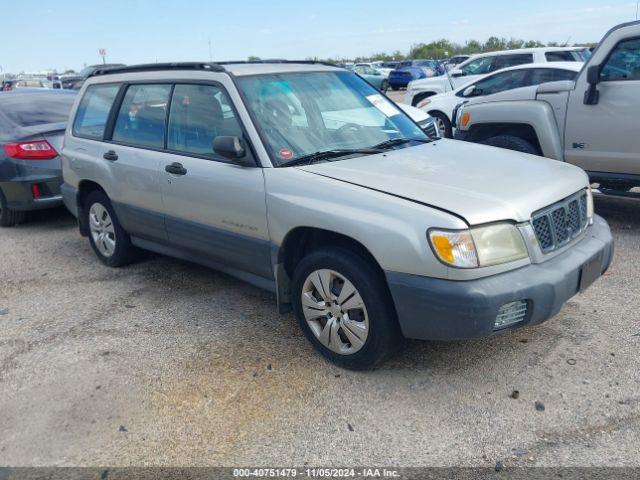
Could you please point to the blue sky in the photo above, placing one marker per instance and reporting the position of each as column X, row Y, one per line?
column 68, row 33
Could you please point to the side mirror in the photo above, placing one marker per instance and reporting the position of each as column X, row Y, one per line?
column 592, row 95
column 468, row 92
column 593, row 75
column 457, row 73
column 231, row 147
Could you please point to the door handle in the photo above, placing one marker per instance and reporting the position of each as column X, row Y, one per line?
column 176, row 168
column 110, row 155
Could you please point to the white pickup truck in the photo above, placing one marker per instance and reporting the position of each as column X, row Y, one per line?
column 590, row 122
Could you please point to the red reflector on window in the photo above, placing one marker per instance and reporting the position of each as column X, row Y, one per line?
column 36, row 150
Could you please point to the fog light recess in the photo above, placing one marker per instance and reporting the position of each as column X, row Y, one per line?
column 510, row 314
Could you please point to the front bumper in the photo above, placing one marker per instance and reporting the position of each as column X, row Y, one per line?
column 437, row 309
column 461, row 135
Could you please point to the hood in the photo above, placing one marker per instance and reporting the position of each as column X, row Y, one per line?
column 478, row 183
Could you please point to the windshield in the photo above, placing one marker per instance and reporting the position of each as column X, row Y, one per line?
column 300, row 114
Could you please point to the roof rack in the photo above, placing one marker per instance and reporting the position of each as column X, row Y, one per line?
column 151, row 67
column 275, row 60
column 207, row 66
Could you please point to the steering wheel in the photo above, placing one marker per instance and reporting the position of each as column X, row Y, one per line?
column 349, row 129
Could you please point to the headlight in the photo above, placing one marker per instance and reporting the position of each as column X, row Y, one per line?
column 423, row 103
column 478, row 247
column 590, row 209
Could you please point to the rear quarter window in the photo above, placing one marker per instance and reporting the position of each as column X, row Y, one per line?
column 93, row 111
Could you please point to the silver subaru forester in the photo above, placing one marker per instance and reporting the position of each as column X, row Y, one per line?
column 303, row 179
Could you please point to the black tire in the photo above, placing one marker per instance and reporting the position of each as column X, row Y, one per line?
column 124, row 252
column 448, row 131
column 384, row 337
column 511, row 142
column 8, row 217
column 384, row 86
column 395, row 88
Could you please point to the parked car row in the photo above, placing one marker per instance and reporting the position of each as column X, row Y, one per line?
column 484, row 63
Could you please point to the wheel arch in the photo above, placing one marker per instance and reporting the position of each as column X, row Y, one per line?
column 532, row 118
column 85, row 187
column 482, row 132
column 297, row 243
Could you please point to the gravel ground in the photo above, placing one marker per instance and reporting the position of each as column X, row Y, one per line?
column 167, row 363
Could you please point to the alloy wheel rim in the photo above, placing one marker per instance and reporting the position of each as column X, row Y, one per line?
column 441, row 126
column 335, row 311
column 102, row 230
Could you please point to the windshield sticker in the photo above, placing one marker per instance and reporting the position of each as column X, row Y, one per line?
column 285, row 154
column 383, row 105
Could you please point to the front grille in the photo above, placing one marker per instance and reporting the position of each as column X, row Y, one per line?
column 431, row 129
column 557, row 224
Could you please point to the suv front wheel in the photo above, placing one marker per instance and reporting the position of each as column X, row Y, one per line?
column 108, row 239
column 345, row 309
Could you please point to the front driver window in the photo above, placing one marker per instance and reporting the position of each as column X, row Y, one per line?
column 199, row 114
column 478, row 67
column 623, row 63
column 500, row 82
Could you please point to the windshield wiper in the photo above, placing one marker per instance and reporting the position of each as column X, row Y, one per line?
column 399, row 141
column 328, row 154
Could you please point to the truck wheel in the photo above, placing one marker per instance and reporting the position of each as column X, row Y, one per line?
column 511, row 142
column 443, row 123
column 345, row 309
column 8, row 217
column 111, row 244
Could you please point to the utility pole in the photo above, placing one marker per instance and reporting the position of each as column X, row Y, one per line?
column 210, row 52
column 637, row 5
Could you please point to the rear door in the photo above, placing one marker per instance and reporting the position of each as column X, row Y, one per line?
column 134, row 156
column 214, row 208
column 604, row 137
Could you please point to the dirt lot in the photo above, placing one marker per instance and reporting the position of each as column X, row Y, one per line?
column 167, row 363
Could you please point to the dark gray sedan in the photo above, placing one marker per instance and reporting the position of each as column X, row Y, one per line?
column 32, row 124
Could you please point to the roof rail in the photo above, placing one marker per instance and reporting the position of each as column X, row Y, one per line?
column 276, row 60
column 152, row 67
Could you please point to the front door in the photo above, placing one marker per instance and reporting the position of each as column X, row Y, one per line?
column 605, row 137
column 213, row 208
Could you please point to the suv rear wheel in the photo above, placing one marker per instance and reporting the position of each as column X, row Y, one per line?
column 8, row 217
column 344, row 308
column 108, row 239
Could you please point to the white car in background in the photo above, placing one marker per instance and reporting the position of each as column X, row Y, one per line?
column 441, row 106
column 379, row 66
column 485, row 63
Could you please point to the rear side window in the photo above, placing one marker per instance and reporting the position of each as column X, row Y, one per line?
column 504, row 61
column 199, row 114
column 142, row 115
column 565, row 56
column 544, row 75
column 93, row 111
